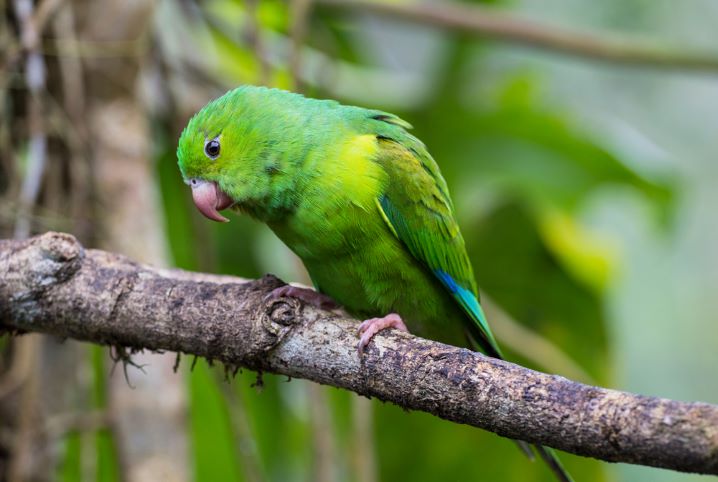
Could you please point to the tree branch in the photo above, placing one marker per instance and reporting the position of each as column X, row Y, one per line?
column 490, row 23
column 51, row 284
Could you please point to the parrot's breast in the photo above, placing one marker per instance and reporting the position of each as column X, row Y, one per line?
column 351, row 253
column 336, row 199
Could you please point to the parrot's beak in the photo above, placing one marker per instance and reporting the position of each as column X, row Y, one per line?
column 210, row 199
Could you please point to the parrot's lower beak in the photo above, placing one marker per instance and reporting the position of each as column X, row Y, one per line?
column 210, row 199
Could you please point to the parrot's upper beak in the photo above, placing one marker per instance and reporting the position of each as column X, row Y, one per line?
column 210, row 199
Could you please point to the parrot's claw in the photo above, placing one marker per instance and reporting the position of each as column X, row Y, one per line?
column 372, row 326
column 307, row 295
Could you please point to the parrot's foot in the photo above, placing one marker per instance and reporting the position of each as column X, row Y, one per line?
column 372, row 326
column 307, row 295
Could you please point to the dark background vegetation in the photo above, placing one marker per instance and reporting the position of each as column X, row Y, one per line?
column 585, row 190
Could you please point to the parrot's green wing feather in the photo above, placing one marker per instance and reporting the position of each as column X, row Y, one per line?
column 417, row 208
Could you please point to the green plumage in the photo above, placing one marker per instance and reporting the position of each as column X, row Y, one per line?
column 371, row 244
column 355, row 196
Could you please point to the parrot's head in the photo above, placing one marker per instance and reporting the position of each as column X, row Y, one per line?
column 228, row 152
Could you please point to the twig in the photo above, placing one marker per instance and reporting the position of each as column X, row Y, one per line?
column 490, row 23
column 76, row 136
column 37, row 153
column 32, row 21
column 36, row 20
column 50, row 284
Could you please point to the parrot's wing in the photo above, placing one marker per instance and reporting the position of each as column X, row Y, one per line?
column 417, row 207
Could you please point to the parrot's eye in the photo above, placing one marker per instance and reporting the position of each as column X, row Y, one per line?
column 211, row 148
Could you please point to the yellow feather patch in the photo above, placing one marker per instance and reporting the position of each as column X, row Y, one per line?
column 361, row 177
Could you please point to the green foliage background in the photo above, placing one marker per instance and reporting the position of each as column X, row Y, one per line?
column 585, row 206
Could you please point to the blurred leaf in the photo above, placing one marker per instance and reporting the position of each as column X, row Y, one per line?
column 515, row 267
column 108, row 469
column 211, row 436
column 70, row 470
column 592, row 258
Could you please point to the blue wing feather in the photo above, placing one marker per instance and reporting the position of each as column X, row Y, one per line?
column 417, row 208
column 471, row 306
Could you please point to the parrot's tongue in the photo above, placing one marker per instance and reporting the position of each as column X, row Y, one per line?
column 210, row 199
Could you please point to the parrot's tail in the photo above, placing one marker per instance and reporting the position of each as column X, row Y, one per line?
column 549, row 456
column 525, row 447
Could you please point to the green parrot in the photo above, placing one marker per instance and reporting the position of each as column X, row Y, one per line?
column 355, row 196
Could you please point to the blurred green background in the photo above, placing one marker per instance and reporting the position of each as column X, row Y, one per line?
column 586, row 192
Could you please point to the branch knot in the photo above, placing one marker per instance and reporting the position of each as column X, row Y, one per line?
column 58, row 256
column 277, row 319
column 283, row 312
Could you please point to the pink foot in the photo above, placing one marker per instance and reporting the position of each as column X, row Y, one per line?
column 372, row 326
column 307, row 295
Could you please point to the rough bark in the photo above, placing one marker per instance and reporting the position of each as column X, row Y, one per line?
column 52, row 285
